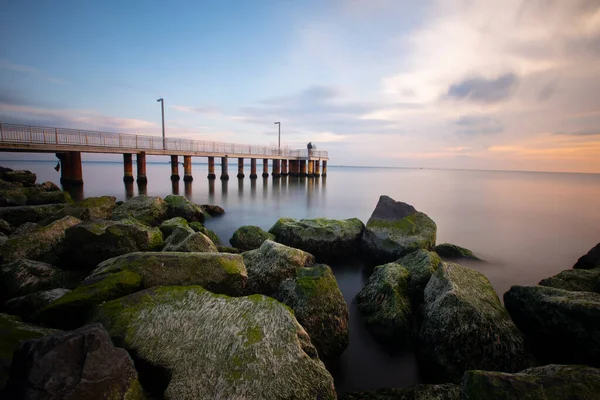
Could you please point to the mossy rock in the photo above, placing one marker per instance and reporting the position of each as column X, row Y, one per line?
column 16, row 216
column 26, row 306
column 5, row 227
column 198, row 227
column 249, row 237
column 92, row 242
column 212, row 210
column 323, row 237
column 168, row 226
column 446, row 391
column 385, row 305
column 186, row 240
column 179, row 206
column 590, row 260
column 452, row 251
column 226, row 249
column 24, row 277
column 42, row 244
column 561, row 326
column 421, row 265
column 556, row 382
column 271, row 264
column 27, row 228
column 99, row 207
column 27, row 178
column 396, row 229
column 39, row 197
column 12, row 197
column 146, row 209
column 214, row 346
column 320, row 308
column 466, row 327
column 576, row 280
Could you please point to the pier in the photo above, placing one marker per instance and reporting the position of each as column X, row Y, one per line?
column 68, row 144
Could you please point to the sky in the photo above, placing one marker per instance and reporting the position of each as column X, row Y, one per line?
column 473, row 84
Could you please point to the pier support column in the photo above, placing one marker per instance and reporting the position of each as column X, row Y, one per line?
column 317, row 168
column 211, row 168
column 141, row 168
column 302, row 168
column 311, row 168
column 324, row 168
column 276, row 168
column 127, row 168
column 187, row 169
column 240, row 168
column 265, row 173
column 284, row 167
column 292, row 165
column 224, row 173
column 253, row 168
column 174, row 168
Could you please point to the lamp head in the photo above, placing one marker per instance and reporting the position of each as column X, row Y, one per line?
column 159, row 100
column 277, row 123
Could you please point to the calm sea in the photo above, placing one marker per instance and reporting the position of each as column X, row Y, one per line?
column 528, row 225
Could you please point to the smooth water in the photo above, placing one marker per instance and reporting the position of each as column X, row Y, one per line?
column 528, row 226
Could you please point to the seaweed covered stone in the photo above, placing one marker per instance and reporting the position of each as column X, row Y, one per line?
column 25, row 177
column 577, row 280
column 446, row 391
column 186, row 240
column 149, row 210
column 249, row 237
column 16, row 216
column 561, row 326
column 590, row 260
column 215, row 346
column 24, row 277
column 212, row 210
column 168, row 226
column 320, row 308
column 466, row 327
column 26, row 306
column 384, row 303
column 396, row 229
column 556, row 382
column 271, row 264
column 421, row 265
column 323, row 237
column 179, row 206
column 452, row 251
column 100, row 207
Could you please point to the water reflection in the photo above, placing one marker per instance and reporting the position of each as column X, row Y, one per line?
column 142, row 187
column 128, row 190
column 175, row 186
column 211, row 189
column 240, row 187
column 224, row 185
column 252, row 188
column 188, row 189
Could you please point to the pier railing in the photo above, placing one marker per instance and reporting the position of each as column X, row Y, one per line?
column 11, row 133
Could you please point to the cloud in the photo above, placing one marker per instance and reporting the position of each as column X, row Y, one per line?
column 197, row 110
column 485, row 90
column 478, row 125
column 581, row 132
column 8, row 66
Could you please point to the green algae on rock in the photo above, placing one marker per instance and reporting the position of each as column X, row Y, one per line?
column 179, row 206
column 249, row 237
column 421, row 265
column 27, row 178
column 466, row 327
column 556, row 382
column 100, row 207
column 168, row 226
column 396, row 229
column 214, row 346
column 319, row 306
column 146, row 209
column 24, row 277
column 19, row 215
column 186, row 240
column 576, row 280
column 561, row 326
column 446, row 391
column 448, row 250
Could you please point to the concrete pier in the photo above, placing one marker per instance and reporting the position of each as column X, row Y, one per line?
column 240, row 173
column 324, row 173
column 224, row 172
column 174, row 168
column 211, row 168
column 284, row 167
column 141, row 167
column 253, row 169
column 127, row 167
column 276, row 169
column 70, row 163
column 317, row 168
column 187, row 169
column 302, row 171
column 265, row 173
column 311, row 168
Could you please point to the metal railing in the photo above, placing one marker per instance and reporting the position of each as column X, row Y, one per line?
column 11, row 133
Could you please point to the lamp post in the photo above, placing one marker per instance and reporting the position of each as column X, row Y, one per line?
column 162, row 109
column 279, row 137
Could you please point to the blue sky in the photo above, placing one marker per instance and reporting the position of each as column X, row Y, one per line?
column 445, row 84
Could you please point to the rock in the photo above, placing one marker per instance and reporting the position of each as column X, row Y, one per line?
column 27, row 178
column 198, row 227
column 320, row 308
column 212, row 210
column 26, row 306
column 99, row 207
column 19, row 215
column 447, row 391
column 186, row 240
column 396, row 229
column 230, row 250
column 146, row 209
column 466, row 327
column 590, row 260
column 40, row 197
column 23, row 277
column 323, row 237
column 577, row 280
column 41, row 245
column 271, row 264
column 249, row 237
column 91, row 242
column 26, row 228
column 5, row 227
column 179, row 206
column 560, row 326
column 129, row 273
column 48, row 186
column 169, row 225
column 385, row 305
column 214, row 346
column 447, row 250
column 556, row 382
column 421, row 265
column 3, row 238
column 81, row 364
column 12, row 332
column 12, row 197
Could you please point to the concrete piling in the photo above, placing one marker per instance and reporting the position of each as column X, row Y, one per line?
column 240, row 173
column 211, row 168
column 276, row 169
column 224, row 173
column 174, row 168
column 284, row 167
column 141, row 167
column 324, row 173
column 187, row 169
column 127, row 168
column 265, row 173
column 253, row 174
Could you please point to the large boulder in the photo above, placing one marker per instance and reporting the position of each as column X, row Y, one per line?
column 168, row 226
column 198, row 227
column 5, row 227
column 466, row 327
column 82, row 364
column 179, row 206
column 43, row 244
column 590, row 260
column 12, row 197
column 249, row 237
column 186, row 240
column 146, row 209
column 27, row 178
column 38, row 196
column 129, row 273
column 556, row 382
column 577, row 280
column 23, row 277
column 561, row 326
column 214, row 346
column 92, row 242
column 384, row 303
column 421, row 265
column 271, row 264
column 99, row 207
column 320, row 308
column 396, row 229
column 26, row 306
column 446, row 391
column 212, row 210
column 452, row 251
column 19, row 215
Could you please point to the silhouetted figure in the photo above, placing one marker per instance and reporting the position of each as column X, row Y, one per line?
column 309, row 146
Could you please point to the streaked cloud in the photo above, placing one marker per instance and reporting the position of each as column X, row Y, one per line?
column 485, row 90
column 9, row 66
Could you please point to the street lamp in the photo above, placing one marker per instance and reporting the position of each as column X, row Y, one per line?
column 279, row 137
column 162, row 108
